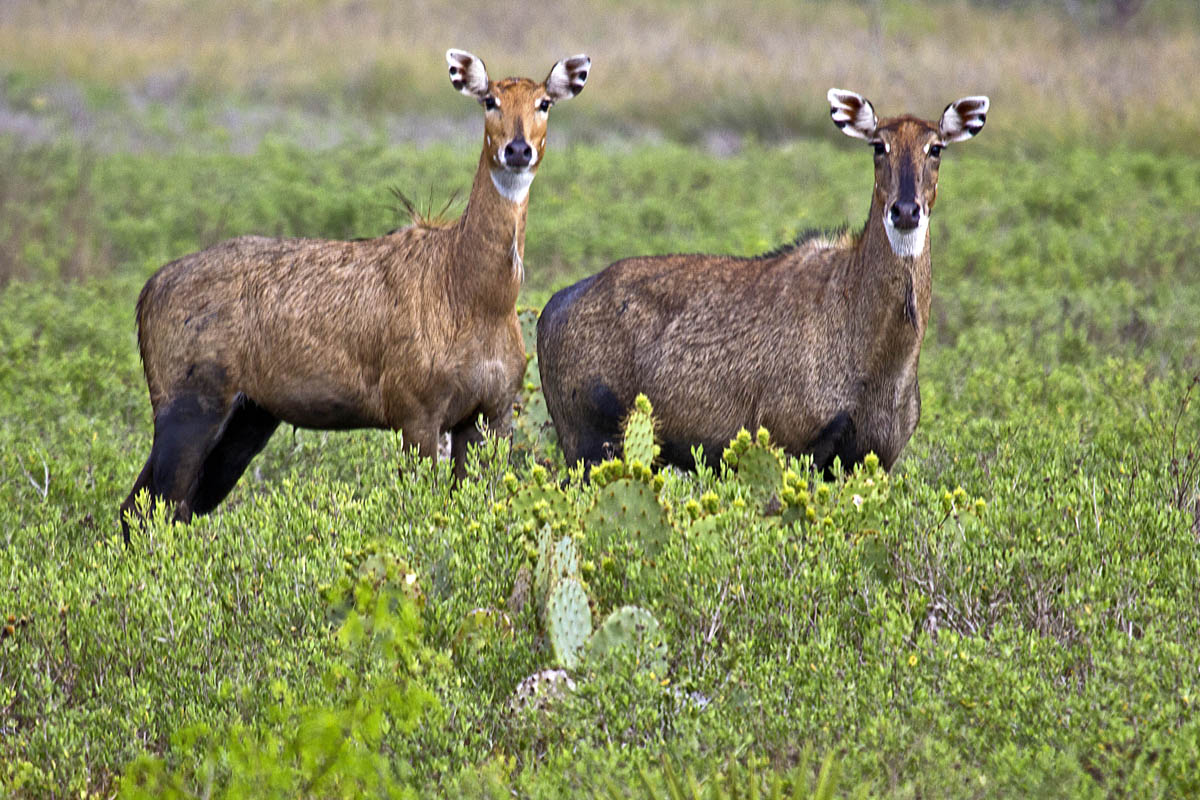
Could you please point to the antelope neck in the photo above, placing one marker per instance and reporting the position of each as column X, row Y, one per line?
column 902, row 283
column 490, row 238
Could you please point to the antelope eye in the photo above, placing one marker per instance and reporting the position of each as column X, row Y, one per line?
column 880, row 148
column 544, row 106
column 489, row 102
column 935, row 150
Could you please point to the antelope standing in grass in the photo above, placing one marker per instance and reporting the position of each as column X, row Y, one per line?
column 817, row 341
column 414, row 331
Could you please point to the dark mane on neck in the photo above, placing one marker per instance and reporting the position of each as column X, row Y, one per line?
column 803, row 238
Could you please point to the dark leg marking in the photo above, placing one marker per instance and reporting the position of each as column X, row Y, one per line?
column 244, row 434
column 599, row 434
column 837, row 439
column 184, row 433
column 680, row 454
column 462, row 435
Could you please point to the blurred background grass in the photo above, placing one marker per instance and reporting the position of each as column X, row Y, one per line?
column 1108, row 71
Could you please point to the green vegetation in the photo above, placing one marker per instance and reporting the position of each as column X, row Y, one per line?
column 1011, row 612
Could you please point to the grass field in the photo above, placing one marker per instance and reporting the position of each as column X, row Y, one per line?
column 226, row 70
column 1010, row 613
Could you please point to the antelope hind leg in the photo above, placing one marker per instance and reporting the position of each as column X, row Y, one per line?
column 243, row 436
column 184, row 433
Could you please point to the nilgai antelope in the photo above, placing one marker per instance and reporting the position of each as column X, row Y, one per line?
column 414, row 331
column 818, row 341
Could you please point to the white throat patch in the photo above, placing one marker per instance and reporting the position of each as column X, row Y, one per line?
column 907, row 243
column 513, row 186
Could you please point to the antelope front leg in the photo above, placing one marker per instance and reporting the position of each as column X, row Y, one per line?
column 469, row 434
column 421, row 438
column 466, row 434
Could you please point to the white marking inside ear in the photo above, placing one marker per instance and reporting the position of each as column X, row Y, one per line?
column 467, row 73
column 907, row 244
column 567, row 77
column 963, row 118
column 852, row 113
column 512, row 185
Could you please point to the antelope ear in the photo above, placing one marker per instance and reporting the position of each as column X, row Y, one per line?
column 963, row 118
column 567, row 77
column 467, row 73
column 852, row 113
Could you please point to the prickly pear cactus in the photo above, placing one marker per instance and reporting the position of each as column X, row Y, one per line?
column 628, row 509
column 540, row 502
column 758, row 463
column 556, row 559
column 568, row 621
column 528, row 317
column 634, row 628
column 533, row 430
column 564, row 560
column 639, row 434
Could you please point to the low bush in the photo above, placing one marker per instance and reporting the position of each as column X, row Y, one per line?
column 1010, row 612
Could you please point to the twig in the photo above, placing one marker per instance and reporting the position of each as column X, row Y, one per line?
column 44, row 489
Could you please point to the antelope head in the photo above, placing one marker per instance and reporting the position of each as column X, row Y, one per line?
column 907, row 155
column 515, row 115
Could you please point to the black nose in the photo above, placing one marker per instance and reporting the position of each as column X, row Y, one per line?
column 905, row 214
column 517, row 153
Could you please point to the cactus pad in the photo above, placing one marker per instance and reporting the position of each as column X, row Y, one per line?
column 639, row 434
column 382, row 569
column 568, row 621
column 630, row 627
column 543, row 503
column 758, row 464
column 532, row 429
column 761, row 469
column 628, row 510
column 564, row 560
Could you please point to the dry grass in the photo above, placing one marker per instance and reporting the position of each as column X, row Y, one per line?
column 684, row 67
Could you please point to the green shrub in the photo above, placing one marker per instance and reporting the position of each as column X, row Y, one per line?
column 1010, row 612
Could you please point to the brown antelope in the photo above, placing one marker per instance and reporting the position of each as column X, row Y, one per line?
column 818, row 341
column 415, row 331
